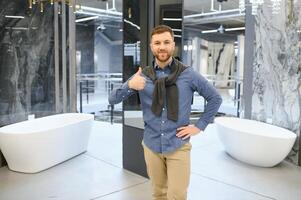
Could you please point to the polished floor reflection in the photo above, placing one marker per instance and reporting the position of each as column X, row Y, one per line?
column 98, row 175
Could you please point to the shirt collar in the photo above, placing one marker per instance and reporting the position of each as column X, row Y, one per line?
column 156, row 66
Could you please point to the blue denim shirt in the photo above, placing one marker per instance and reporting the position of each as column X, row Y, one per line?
column 160, row 132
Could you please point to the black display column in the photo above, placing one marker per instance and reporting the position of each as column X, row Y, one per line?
column 135, row 36
column 133, row 158
column 138, row 20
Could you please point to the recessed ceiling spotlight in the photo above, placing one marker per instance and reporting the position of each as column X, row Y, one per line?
column 101, row 27
column 221, row 29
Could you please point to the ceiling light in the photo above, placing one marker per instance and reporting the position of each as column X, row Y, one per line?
column 86, row 19
column 176, row 29
column 221, row 29
column 132, row 24
column 210, row 31
column 16, row 28
column 172, row 19
column 235, row 29
column 15, row 17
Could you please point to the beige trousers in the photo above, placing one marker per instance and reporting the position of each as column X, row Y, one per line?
column 169, row 173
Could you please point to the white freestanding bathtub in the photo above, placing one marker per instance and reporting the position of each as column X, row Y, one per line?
column 35, row 145
column 254, row 142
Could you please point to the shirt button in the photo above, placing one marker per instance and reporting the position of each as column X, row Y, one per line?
column 129, row 90
column 163, row 122
column 122, row 96
column 163, row 108
column 162, row 134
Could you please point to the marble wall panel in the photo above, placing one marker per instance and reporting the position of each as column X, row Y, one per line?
column 277, row 69
column 26, row 62
column 221, row 62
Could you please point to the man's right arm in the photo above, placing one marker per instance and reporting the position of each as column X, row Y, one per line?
column 131, row 86
column 121, row 93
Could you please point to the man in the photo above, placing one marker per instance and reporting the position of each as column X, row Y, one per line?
column 166, row 91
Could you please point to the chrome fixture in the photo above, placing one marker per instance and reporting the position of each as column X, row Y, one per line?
column 42, row 3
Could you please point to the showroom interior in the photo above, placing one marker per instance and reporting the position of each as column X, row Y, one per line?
column 66, row 56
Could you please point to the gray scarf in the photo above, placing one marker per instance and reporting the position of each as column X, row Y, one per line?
column 166, row 88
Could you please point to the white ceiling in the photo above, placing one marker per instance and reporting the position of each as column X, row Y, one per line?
column 205, row 6
column 197, row 6
column 196, row 25
column 101, row 4
column 189, row 7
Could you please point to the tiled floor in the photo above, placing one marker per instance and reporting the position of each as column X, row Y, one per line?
column 98, row 175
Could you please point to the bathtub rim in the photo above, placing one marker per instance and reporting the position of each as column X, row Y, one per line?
column 3, row 130
column 288, row 133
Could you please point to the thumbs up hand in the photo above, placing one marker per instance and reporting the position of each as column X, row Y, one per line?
column 137, row 82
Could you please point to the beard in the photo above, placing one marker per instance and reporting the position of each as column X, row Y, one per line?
column 163, row 56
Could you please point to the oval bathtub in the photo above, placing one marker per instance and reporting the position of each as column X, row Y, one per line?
column 35, row 145
column 254, row 142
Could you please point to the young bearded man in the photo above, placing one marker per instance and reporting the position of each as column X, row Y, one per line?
column 166, row 91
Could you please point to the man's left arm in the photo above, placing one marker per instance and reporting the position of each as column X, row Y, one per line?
column 213, row 99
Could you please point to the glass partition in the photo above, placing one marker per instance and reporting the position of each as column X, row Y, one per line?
column 132, row 59
column 99, row 35
column 131, row 56
column 213, row 44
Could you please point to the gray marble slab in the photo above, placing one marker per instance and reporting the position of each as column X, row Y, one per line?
column 26, row 61
column 277, row 72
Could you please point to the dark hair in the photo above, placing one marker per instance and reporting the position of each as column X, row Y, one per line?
column 161, row 29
